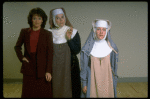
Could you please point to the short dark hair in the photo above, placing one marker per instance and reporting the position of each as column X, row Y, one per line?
column 39, row 12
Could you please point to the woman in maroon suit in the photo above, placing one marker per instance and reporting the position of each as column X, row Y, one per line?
column 38, row 55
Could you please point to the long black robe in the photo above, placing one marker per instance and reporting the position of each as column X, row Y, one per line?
column 75, row 48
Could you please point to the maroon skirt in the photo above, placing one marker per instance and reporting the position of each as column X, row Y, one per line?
column 34, row 87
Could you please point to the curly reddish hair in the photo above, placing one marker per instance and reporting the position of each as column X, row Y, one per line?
column 40, row 13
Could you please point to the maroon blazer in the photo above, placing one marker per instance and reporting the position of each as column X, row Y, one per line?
column 44, row 52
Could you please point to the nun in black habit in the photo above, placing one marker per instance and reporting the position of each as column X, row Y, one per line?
column 67, row 44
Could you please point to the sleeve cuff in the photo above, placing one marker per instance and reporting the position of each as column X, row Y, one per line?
column 83, row 83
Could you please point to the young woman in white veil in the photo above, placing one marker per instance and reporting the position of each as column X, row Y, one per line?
column 66, row 40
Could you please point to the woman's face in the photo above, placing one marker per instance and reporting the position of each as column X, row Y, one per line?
column 37, row 21
column 60, row 20
column 100, row 32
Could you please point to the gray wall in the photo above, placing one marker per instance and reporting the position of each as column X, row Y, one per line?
column 129, row 31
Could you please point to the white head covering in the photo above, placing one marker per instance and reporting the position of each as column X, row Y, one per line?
column 101, row 23
column 101, row 48
column 55, row 12
column 59, row 34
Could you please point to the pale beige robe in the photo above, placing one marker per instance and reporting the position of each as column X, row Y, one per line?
column 101, row 78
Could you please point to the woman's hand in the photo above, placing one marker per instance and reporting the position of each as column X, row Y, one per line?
column 69, row 33
column 84, row 89
column 48, row 77
column 25, row 59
